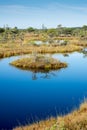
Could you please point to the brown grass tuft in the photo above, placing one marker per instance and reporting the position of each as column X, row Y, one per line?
column 39, row 63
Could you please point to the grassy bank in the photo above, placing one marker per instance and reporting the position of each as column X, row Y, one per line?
column 77, row 120
column 39, row 63
column 7, row 50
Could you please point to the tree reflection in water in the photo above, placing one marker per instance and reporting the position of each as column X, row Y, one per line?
column 84, row 53
column 85, row 56
column 34, row 76
column 45, row 75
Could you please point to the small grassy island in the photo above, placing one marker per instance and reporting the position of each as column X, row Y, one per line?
column 39, row 63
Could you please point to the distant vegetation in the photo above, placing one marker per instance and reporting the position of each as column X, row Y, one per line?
column 15, row 35
column 14, row 41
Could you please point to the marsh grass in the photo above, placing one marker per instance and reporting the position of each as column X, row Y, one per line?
column 76, row 120
column 39, row 63
column 7, row 50
column 81, row 43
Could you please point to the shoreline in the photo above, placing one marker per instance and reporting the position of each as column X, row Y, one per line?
column 76, row 120
column 7, row 51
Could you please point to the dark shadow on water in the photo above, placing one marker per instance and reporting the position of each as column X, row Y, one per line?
column 48, row 75
column 84, row 51
column 34, row 76
column 85, row 56
column 66, row 55
column 45, row 75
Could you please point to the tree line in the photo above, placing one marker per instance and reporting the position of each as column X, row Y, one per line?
column 7, row 33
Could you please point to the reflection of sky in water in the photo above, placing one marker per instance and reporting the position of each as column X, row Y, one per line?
column 60, row 91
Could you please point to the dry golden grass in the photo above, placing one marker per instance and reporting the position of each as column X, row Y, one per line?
column 7, row 50
column 81, row 43
column 42, row 125
column 39, row 63
column 67, row 38
column 77, row 120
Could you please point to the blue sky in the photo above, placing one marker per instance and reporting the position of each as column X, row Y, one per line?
column 25, row 13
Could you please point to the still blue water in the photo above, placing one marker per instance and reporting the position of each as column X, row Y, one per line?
column 26, row 97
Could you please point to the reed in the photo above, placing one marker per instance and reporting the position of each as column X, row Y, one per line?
column 76, row 120
column 7, row 50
